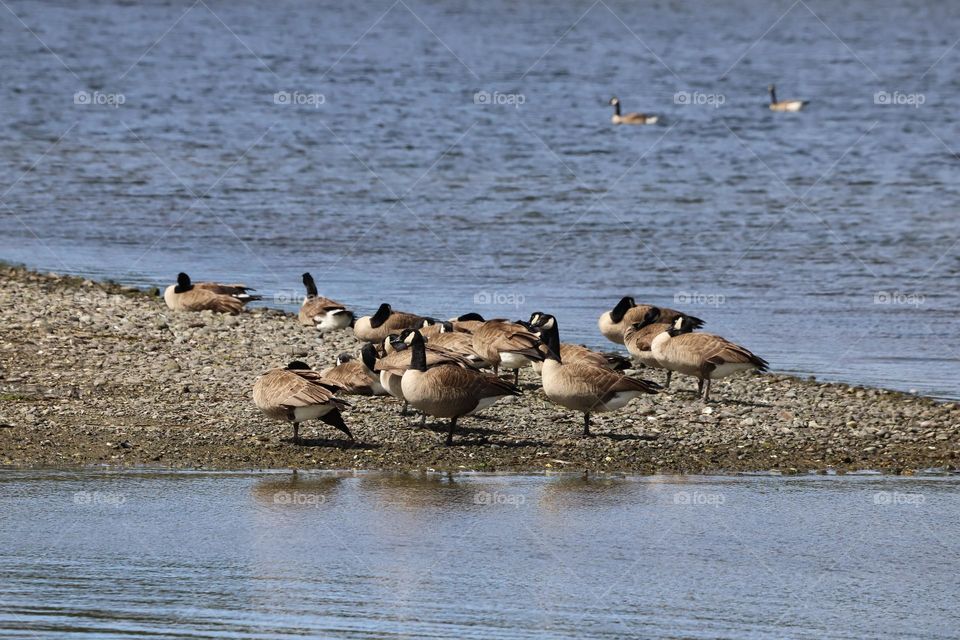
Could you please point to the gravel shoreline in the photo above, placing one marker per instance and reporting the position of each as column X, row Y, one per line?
column 100, row 374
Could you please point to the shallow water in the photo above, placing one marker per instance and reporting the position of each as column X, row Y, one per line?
column 276, row 555
column 825, row 241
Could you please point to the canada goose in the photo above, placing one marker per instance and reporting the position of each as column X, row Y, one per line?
column 506, row 344
column 467, row 323
column 397, row 360
column 702, row 355
column 629, row 118
column 353, row 377
column 323, row 313
column 571, row 353
column 295, row 393
column 458, row 342
column 585, row 387
column 784, row 105
column 433, row 327
column 200, row 296
column 613, row 323
column 639, row 335
column 389, row 380
column 384, row 322
column 448, row 390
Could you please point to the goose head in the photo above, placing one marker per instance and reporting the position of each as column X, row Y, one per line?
column 183, row 283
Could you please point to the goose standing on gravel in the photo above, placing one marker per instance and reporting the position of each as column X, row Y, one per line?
column 448, row 389
column 384, row 322
column 506, row 344
column 202, row 296
column 704, row 356
column 353, row 377
column 295, row 394
column 639, row 336
column 613, row 323
column 629, row 118
column 585, row 387
column 784, row 105
column 323, row 313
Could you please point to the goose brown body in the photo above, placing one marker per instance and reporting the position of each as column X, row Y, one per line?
column 320, row 312
column 585, row 387
column 206, row 296
column 613, row 323
column 500, row 342
column 353, row 377
column 295, row 394
column 449, row 390
column 702, row 355
column 385, row 322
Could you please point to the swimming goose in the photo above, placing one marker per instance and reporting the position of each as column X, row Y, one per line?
column 295, row 393
column 639, row 335
column 585, row 387
column 353, row 377
column 449, row 390
column 323, row 313
column 784, row 105
column 571, row 353
column 384, row 322
column 629, row 118
column 200, row 296
column 702, row 355
column 506, row 344
column 613, row 323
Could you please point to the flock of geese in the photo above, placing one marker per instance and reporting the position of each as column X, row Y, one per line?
column 649, row 118
column 438, row 366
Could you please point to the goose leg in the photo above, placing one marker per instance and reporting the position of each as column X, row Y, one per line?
column 296, row 433
column 706, row 390
column 586, row 425
column 453, row 424
column 423, row 421
column 403, row 411
column 700, row 387
column 516, row 377
column 496, row 369
column 669, row 375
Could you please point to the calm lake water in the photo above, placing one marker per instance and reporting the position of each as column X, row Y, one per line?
column 274, row 555
column 826, row 241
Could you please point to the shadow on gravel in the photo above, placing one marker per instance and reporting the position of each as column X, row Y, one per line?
column 627, row 436
column 340, row 443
